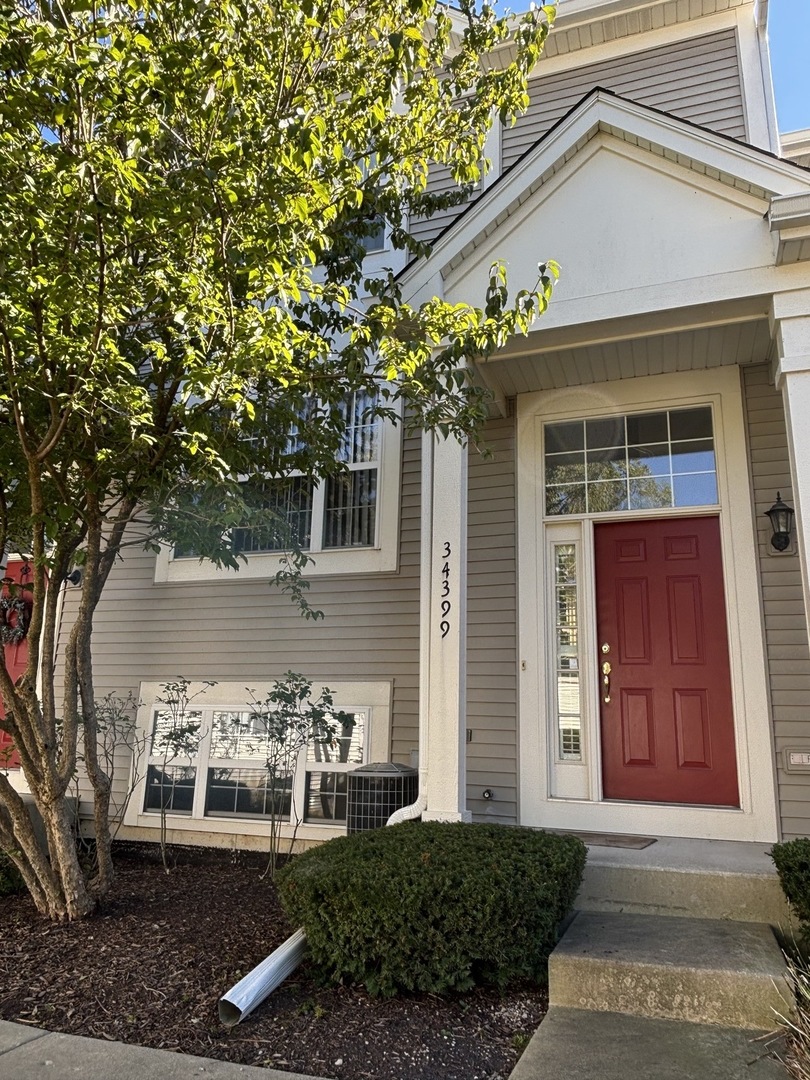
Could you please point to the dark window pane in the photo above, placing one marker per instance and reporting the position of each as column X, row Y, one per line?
column 350, row 513
column 247, row 792
column 565, row 468
column 170, row 788
column 567, row 499
column 220, row 797
column 648, row 460
column 562, row 437
column 693, row 456
column 695, row 490
column 289, row 506
column 647, row 428
column 607, row 432
column 326, row 796
column 250, row 796
column 690, row 424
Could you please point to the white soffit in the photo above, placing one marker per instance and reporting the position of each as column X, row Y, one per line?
column 582, row 24
column 694, row 349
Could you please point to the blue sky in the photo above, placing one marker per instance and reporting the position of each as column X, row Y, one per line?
column 789, row 31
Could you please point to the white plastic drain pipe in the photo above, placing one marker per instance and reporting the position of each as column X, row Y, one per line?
column 251, row 991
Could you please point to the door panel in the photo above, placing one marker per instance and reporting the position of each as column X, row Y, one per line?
column 667, row 722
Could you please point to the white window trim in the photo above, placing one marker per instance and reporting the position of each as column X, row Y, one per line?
column 569, row 796
column 373, row 698
column 382, row 557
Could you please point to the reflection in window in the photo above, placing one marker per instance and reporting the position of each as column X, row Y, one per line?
column 252, row 792
column 328, row 764
column 640, row 462
column 567, row 670
column 236, row 754
column 170, row 788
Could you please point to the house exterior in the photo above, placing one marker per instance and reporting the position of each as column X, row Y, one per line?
column 590, row 628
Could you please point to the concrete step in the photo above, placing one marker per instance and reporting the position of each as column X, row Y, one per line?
column 695, row 893
column 572, row 1044
column 708, row 971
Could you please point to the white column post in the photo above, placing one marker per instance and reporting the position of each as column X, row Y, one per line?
column 790, row 324
column 444, row 629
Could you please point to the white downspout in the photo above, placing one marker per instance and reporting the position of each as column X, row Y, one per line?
column 416, row 809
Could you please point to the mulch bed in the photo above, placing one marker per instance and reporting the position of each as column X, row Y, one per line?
column 150, row 968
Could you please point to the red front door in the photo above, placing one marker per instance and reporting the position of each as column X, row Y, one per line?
column 666, row 710
column 16, row 658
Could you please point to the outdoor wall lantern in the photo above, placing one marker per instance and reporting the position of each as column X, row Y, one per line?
column 781, row 517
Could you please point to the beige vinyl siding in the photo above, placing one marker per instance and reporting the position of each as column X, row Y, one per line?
column 697, row 79
column 786, row 641
column 492, row 628
column 246, row 631
column 439, row 183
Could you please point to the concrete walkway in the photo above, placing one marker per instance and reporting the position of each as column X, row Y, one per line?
column 577, row 1045
column 28, row 1053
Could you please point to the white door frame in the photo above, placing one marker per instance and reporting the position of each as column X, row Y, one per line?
column 572, row 798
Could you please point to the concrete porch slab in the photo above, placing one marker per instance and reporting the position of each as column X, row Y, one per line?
column 710, row 879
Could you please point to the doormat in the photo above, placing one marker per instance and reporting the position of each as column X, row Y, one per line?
column 596, row 839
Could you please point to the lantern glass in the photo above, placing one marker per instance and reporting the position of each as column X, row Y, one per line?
column 781, row 518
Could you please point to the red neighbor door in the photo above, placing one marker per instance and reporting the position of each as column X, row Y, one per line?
column 16, row 659
column 666, row 715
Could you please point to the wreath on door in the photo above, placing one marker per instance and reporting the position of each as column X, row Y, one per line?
column 13, row 620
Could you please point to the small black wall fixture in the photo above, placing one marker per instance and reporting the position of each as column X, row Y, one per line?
column 781, row 517
column 74, row 577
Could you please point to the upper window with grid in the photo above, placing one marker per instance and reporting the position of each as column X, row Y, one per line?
column 638, row 462
column 338, row 512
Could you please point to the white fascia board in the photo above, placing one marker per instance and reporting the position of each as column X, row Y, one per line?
column 572, row 12
column 789, row 219
column 794, row 143
column 790, row 211
column 604, row 111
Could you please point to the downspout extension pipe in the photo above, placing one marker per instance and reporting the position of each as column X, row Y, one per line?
column 251, row 991
column 414, row 810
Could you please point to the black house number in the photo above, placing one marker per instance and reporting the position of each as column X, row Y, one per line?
column 447, row 607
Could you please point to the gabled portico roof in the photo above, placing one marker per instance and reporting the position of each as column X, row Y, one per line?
column 745, row 175
column 666, row 232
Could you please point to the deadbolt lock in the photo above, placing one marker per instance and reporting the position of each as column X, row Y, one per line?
column 605, row 647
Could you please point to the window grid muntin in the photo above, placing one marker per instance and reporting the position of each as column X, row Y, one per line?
column 305, row 505
column 597, row 453
column 329, row 762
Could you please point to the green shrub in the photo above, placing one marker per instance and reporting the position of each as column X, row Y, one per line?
column 793, row 866
column 433, row 907
column 10, row 880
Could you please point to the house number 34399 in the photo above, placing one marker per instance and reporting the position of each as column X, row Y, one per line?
column 447, row 607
